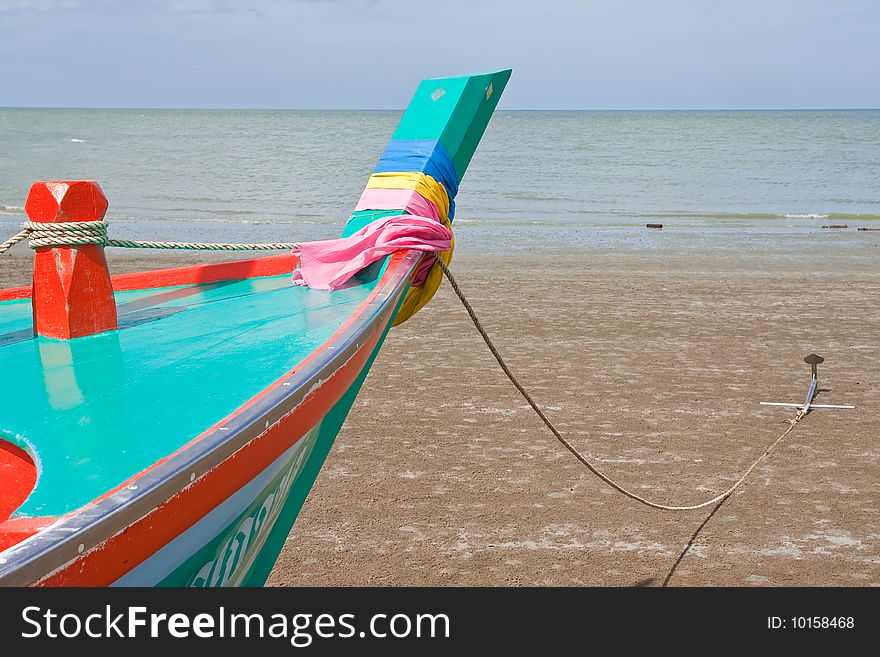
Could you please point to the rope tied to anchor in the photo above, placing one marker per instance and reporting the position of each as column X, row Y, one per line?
column 580, row 457
column 73, row 233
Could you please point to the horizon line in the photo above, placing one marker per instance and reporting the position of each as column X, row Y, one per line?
column 401, row 109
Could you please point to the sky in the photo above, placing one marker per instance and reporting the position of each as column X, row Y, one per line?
column 370, row 54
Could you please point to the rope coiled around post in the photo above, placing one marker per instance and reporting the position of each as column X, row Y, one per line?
column 70, row 233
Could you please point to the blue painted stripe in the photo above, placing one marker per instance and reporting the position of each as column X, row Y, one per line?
column 426, row 156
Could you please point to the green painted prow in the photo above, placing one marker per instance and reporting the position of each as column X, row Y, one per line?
column 453, row 111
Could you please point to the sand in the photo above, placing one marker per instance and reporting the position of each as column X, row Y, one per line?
column 652, row 363
column 654, row 370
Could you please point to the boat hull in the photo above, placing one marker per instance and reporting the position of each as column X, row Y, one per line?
column 237, row 543
column 218, row 512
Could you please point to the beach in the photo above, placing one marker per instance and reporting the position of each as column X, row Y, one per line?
column 652, row 364
column 649, row 349
column 654, row 369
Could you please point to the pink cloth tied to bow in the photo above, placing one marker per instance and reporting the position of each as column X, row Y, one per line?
column 329, row 264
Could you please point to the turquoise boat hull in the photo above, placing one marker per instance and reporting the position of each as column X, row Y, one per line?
column 178, row 449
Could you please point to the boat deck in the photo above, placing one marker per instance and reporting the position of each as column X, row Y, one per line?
column 95, row 411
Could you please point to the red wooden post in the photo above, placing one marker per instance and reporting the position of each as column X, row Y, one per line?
column 72, row 293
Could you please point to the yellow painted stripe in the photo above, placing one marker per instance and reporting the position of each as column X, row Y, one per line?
column 420, row 182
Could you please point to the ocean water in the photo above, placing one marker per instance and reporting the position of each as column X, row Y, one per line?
column 590, row 178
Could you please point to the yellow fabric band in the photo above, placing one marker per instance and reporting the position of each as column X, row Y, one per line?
column 417, row 297
column 420, row 182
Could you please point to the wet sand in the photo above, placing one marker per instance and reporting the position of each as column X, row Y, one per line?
column 652, row 363
column 653, row 369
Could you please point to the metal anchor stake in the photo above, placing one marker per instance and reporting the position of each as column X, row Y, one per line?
column 813, row 361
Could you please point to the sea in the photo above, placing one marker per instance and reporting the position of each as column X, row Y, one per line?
column 540, row 179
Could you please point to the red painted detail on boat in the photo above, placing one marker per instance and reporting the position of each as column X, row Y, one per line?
column 13, row 293
column 193, row 275
column 72, row 293
column 107, row 562
column 18, row 476
column 211, row 273
column 15, row 530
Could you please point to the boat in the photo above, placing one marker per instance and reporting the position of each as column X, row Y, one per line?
column 164, row 428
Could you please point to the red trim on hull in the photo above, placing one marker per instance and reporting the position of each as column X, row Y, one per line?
column 196, row 274
column 201, row 274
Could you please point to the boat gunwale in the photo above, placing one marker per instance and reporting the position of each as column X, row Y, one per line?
column 53, row 548
column 188, row 275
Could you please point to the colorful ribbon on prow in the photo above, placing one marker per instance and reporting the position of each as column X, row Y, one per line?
column 425, row 160
column 409, row 201
column 423, row 169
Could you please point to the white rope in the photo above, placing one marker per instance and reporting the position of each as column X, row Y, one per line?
column 12, row 241
column 204, row 246
column 69, row 233
column 73, row 233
